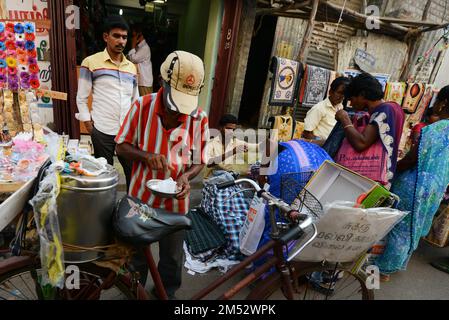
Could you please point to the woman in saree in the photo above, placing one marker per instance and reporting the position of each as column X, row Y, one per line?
column 371, row 142
column 421, row 182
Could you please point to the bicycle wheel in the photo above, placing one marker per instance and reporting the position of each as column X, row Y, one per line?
column 23, row 284
column 339, row 283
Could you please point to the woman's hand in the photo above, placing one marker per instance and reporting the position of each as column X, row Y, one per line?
column 343, row 117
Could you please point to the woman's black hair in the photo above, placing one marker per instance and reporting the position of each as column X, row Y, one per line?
column 228, row 118
column 113, row 22
column 338, row 82
column 365, row 85
column 443, row 95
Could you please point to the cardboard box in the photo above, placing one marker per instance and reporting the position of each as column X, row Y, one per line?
column 333, row 182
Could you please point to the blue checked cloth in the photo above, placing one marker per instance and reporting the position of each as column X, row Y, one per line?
column 228, row 208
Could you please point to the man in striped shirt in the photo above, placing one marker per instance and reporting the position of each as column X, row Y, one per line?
column 165, row 134
column 112, row 80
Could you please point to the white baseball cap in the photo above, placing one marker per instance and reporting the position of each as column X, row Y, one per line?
column 183, row 73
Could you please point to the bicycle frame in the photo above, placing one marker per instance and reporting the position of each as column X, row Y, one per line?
column 278, row 260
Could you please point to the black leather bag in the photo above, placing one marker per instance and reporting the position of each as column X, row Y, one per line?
column 138, row 224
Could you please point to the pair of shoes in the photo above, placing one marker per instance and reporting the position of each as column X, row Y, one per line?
column 171, row 296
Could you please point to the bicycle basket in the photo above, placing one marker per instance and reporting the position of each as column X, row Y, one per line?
column 293, row 191
column 292, row 184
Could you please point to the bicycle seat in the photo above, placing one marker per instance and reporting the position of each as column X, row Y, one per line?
column 138, row 224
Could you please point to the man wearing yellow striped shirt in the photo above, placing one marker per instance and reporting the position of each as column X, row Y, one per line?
column 112, row 81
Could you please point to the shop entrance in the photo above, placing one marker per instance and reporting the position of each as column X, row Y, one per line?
column 168, row 25
column 257, row 70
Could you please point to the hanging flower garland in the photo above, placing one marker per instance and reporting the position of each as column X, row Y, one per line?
column 18, row 56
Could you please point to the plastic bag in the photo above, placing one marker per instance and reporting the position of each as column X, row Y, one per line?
column 346, row 232
column 46, row 217
column 253, row 227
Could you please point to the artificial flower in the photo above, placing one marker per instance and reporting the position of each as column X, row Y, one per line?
column 24, row 75
column 12, row 71
column 2, row 27
column 2, row 46
column 25, row 84
column 32, row 60
column 22, row 59
column 34, row 77
column 2, row 78
column 29, row 27
column 34, row 68
column 30, row 37
column 13, row 86
column 20, row 37
column 10, row 36
column 2, row 36
column 29, row 45
column 2, row 55
column 18, row 28
column 35, row 84
column 11, row 53
column 20, row 52
column 10, row 45
column 20, row 44
column 10, row 27
column 2, row 63
column 13, row 78
column 32, row 53
column 11, row 62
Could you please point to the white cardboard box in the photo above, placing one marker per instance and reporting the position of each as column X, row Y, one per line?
column 333, row 182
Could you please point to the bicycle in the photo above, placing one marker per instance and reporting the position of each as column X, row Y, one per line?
column 290, row 279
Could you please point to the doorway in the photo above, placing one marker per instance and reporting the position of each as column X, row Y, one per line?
column 257, row 70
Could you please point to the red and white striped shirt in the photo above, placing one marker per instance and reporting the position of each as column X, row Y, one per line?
column 182, row 146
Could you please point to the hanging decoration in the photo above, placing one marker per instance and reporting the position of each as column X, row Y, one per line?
column 18, row 64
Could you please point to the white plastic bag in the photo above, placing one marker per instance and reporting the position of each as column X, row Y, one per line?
column 253, row 227
column 346, row 232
